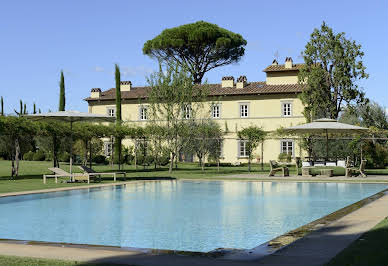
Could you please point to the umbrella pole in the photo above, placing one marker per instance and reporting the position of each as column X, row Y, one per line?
column 327, row 146
column 71, row 148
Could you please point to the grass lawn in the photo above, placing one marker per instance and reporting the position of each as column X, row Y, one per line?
column 370, row 249
column 30, row 173
column 24, row 261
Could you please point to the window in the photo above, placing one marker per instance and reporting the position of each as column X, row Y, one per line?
column 242, row 148
column 287, row 146
column 187, row 111
column 216, row 111
column 111, row 111
column 244, row 110
column 108, row 147
column 286, row 109
column 143, row 113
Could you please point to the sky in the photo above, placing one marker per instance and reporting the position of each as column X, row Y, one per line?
column 86, row 38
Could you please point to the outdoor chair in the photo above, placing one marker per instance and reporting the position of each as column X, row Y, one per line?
column 58, row 172
column 98, row 175
column 354, row 171
column 275, row 167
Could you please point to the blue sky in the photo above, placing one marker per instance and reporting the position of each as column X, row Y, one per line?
column 86, row 38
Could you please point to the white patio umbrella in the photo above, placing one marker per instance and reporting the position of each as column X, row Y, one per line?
column 71, row 117
column 327, row 126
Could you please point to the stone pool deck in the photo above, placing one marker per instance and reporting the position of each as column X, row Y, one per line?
column 316, row 248
column 298, row 178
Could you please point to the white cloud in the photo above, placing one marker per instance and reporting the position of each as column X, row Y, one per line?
column 131, row 71
column 99, row 69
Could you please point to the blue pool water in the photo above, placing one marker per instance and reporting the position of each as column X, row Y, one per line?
column 181, row 215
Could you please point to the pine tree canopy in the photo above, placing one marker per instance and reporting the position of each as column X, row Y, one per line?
column 201, row 46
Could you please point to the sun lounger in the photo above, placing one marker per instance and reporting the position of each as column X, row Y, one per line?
column 91, row 172
column 58, row 172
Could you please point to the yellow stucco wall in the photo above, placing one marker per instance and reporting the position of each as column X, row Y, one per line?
column 264, row 111
column 280, row 78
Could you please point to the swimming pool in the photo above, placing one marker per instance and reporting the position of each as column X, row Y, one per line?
column 180, row 215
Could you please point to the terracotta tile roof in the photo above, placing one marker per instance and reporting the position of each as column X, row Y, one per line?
column 252, row 88
column 273, row 68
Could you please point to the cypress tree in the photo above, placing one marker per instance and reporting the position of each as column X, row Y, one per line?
column 62, row 93
column 2, row 106
column 34, row 109
column 118, row 113
column 118, row 94
column 25, row 109
column 21, row 108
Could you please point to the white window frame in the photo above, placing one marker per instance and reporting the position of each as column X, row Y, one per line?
column 241, row 154
column 218, row 112
column 108, row 148
column 243, row 113
column 286, row 109
column 187, row 111
column 287, row 147
column 111, row 109
column 143, row 113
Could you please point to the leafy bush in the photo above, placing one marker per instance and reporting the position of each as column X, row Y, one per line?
column 284, row 157
column 210, row 164
column 99, row 159
column 39, row 156
column 64, row 157
column 376, row 155
column 145, row 160
column 28, row 156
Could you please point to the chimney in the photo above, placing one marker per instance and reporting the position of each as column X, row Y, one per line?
column 125, row 85
column 241, row 82
column 275, row 63
column 95, row 93
column 288, row 63
column 227, row 82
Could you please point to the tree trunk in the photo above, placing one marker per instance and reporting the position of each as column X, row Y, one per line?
column 249, row 163
column 17, row 154
column 12, row 165
column 85, row 161
column 135, row 157
column 90, row 154
column 171, row 163
column 54, row 152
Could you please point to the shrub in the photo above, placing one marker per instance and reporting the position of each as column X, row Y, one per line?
column 376, row 155
column 64, row 157
column 144, row 160
column 284, row 157
column 99, row 159
column 39, row 156
column 28, row 156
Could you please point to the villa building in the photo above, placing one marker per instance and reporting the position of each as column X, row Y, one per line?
column 269, row 104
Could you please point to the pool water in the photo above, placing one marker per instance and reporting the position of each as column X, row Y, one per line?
column 179, row 215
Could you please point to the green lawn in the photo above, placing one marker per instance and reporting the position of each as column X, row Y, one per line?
column 30, row 175
column 370, row 249
column 24, row 261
